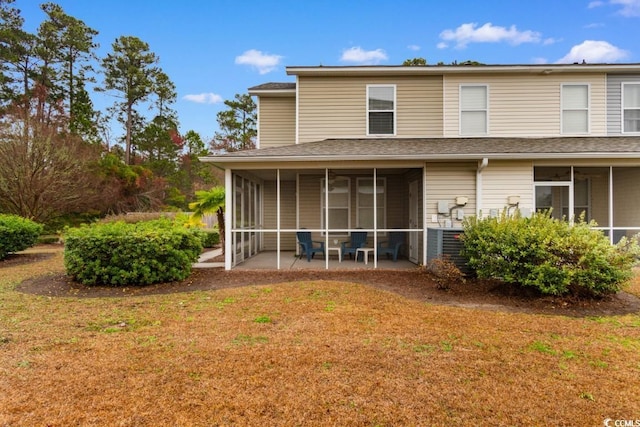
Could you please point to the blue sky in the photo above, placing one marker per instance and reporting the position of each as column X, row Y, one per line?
column 214, row 49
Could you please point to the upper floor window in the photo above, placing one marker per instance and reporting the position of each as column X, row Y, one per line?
column 631, row 107
column 381, row 109
column 474, row 109
column 575, row 108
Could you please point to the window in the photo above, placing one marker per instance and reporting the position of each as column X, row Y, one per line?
column 575, row 108
column 631, row 107
column 473, row 110
column 339, row 196
column 365, row 203
column 381, row 104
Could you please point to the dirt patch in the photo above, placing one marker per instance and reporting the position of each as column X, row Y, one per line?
column 13, row 260
column 412, row 284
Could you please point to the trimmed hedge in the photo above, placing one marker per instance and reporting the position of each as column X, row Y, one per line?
column 550, row 255
column 130, row 254
column 17, row 234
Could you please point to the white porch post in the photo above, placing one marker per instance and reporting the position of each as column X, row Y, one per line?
column 611, row 237
column 326, row 216
column 375, row 218
column 228, row 217
column 278, row 217
column 424, row 215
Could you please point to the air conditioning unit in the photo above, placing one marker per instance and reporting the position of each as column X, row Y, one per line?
column 446, row 242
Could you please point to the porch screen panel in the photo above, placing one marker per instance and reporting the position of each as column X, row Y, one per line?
column 591, row 194
column 365, row 203
column 626, row 197
column 339, row 196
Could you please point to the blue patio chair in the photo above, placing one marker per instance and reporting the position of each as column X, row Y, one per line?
column 392, row 247
column 358, row 240
column 308, row 246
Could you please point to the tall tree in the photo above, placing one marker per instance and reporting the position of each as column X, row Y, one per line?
column 17, row 57
column 75, row 48
column 131, row 69
column 237, row 125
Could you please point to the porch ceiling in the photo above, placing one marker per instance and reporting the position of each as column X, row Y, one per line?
column 387, row 149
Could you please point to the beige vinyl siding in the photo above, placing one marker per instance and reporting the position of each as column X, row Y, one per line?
column 336, row 107
column 277, row 124
column 501, row 179
column 446, row 181
column 287, row 215
column 525, row 106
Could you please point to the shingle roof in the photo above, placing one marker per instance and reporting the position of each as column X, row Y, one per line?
column 442, row 148
column 273, row 86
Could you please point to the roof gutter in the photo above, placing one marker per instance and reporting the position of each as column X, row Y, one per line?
column 445, row 156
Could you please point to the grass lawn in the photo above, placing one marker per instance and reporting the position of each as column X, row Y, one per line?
column 306, row 353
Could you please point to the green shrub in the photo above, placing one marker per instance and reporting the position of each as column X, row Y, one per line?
column 17, row 234
column 119, row 253
column 550, row 255
column 210, row 238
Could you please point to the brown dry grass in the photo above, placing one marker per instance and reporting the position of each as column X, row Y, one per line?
column 305, row 353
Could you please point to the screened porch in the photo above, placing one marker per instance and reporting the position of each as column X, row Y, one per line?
column 269, row 208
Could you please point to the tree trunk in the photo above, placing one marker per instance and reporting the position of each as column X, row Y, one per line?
column 221, row 227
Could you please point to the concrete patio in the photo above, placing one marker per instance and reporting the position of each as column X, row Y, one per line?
column 267, row 260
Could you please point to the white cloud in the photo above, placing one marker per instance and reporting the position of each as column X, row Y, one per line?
column 263, row 62
column 539, row 60
column 204, row 98
column 593, row 51
column 471, row 33
column 365, row 57
column 442, row 45
column 594, row 25
column 628, row 8
column 550, row 40
column 413, row 47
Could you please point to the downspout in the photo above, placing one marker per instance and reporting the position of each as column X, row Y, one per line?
column 481, row 165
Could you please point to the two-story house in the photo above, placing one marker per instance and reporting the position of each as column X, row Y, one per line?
column 397, row 148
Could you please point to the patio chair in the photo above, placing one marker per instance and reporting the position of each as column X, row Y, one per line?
column 392, row 247
column 308, row 246
column 358, row 240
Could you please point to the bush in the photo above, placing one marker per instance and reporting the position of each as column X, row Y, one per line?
column 130, row 254
column 210, row 238
column 17, row 234
column 550, row 255
column 445, row 272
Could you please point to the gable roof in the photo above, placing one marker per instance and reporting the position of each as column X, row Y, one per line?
column 441, row 149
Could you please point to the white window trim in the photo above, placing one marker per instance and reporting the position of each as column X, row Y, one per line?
column 384, row 201
column 588, row 109
column 323, row 208
column 394, row 111
column 486, row 109
column 622, row 107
